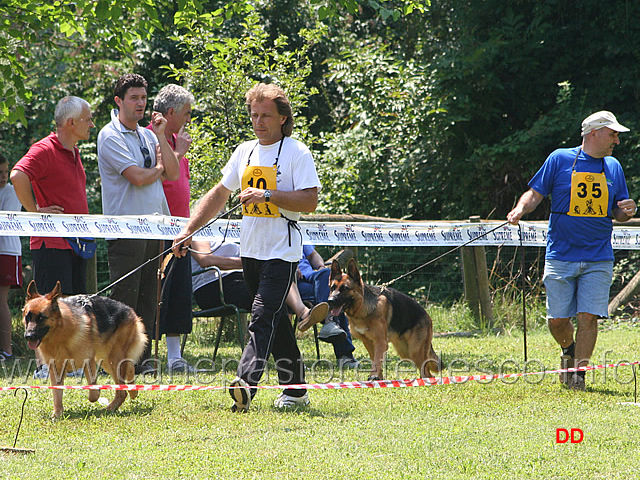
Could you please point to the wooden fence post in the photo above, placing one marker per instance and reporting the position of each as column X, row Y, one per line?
column 471, row 295
column 476, row 280
column 626, row 294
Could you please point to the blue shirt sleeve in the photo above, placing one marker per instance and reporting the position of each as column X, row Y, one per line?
column 304, row 266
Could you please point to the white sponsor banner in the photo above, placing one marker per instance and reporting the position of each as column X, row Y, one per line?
column 445, row 234
column 363, row 234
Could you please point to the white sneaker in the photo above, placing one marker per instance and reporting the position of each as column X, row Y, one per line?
column 42, row 372
column 287, row 401
column 241, row 395
column 76, row 373
column 180, row 365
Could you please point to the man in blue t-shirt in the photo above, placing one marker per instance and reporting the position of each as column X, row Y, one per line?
column 588, row 189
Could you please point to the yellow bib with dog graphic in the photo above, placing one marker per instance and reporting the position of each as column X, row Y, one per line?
column 589, row 195
column 589, row 192
column 264, row 178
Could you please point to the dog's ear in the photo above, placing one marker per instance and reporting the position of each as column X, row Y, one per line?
column 352, row 271
column 32, row 290
column 55, row 293
column 336, row 271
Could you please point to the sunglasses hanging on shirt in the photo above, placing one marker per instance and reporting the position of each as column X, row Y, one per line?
column 145, row 153
column 147, row 157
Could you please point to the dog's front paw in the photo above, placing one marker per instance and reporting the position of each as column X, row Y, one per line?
column 373, row 378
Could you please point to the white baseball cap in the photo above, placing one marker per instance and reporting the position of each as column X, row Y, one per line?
column 601, row 119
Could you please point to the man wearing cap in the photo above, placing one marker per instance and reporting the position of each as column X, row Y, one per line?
column 588, row 189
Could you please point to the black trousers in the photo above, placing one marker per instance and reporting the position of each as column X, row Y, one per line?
column 175, row 312
column 235, row 292
column 270, row 331
column 51, row 265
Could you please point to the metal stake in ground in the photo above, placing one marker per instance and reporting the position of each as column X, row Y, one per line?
column 524, row 292
column 14, row 449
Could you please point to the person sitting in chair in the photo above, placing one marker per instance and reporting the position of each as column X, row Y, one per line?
column 313, row 284
column 226, row 256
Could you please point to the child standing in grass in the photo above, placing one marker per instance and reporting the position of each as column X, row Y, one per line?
column 10, row 261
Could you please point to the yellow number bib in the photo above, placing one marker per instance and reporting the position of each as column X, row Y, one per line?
column 265, row 178
column 589, row 195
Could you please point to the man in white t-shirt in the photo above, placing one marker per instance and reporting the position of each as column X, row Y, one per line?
column 278, row 180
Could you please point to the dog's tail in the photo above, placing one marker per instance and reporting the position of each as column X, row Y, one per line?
column 138, row 342
column 433, row 365
column 136, row 349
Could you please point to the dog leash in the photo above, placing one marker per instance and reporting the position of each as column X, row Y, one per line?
column 386, row 284
column 228, row 212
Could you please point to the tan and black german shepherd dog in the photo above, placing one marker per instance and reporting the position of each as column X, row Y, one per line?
column 378, row 316
column 84, row 331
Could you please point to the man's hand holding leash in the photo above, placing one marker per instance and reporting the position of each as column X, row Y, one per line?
column 181, row 244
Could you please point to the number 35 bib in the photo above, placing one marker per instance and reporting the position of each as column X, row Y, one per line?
column 265, row 178
column 589, row 195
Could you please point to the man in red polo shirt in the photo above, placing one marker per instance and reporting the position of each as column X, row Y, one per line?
column 52, row 171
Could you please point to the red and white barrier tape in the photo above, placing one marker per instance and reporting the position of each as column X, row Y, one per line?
column 418, row 382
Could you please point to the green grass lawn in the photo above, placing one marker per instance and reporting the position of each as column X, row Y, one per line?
column 487, row 430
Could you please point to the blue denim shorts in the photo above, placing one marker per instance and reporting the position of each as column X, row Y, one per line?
column 574, row 287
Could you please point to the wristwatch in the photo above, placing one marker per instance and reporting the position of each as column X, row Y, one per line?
column 267, row 195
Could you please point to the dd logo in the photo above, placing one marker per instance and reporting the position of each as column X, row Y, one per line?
column 563, row 435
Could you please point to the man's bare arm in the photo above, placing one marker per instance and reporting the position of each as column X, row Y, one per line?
column 527, row 204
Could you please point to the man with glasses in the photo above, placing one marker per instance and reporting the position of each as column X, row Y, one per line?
column 133, row 162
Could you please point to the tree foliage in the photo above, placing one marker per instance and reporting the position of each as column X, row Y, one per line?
column 220, row 71
column 510, row 82
column 517, row 78
column 379, row 162
column 28, row 25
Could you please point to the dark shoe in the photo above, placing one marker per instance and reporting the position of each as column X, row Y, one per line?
column 316, row 315
column 566, row 361
column 332, row 333
column 348, row 362
column 239, row 391
column 577, row 383
column 145, row 368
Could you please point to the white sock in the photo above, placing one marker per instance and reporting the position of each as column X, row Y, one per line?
column 173, row 348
